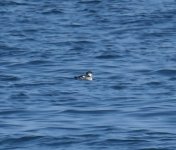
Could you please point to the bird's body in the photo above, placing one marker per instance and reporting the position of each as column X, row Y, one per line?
column 87, row 76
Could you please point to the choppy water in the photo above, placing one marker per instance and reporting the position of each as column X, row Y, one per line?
column 129, row 45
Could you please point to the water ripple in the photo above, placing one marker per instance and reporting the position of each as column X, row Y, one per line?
column 130, row 48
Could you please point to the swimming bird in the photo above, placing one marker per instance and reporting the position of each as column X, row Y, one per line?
column 87, row 76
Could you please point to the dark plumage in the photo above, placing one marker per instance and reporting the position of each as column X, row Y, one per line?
column 87, row 76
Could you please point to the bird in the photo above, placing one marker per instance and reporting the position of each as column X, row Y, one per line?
column 88, row 76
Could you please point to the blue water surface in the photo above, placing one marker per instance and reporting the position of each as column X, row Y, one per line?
column 129, row 45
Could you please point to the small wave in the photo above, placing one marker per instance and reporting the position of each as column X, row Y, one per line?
column 29, row 30
column 66, row 140
column 32, row 84
column 32, row 63
column 37, row 62
column 76, row 25
column 154, row 83
column 167, row 72
column 114, row 141
column 90, row 2
column 20, row 95
column 18, row 140
column 119, row 87
column 52, row 11
column 145, row 71
column 83, row 42
column 7, row 49
column 11, row 3
column 107, row 56
column 102, row 111
column 9, row 112
column 9, row 125
column 9, row 78
column 173, row 79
